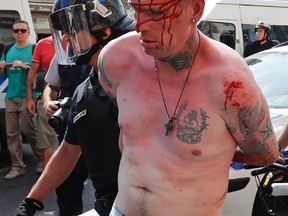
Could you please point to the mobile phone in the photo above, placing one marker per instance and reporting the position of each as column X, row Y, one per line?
column 8, row 65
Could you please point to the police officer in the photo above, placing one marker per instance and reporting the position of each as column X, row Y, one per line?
column 263, row 39
column 92, row 121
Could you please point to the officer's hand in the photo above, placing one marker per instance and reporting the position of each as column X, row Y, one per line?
column 28, row 207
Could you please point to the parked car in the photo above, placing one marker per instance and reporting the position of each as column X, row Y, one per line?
column 270, row 69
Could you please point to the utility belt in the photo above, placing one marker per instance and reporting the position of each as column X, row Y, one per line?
column 104, row 202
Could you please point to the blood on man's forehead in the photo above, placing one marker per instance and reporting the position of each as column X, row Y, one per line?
column 155, row 3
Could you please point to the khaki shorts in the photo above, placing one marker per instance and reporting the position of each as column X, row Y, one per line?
column 46, row 135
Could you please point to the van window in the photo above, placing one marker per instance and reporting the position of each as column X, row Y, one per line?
column 248, row 33
column 279, row 33
column 220, row 31
column 7, row 18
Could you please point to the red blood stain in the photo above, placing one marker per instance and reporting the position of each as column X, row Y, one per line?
column 230, row 88
column 167, row 12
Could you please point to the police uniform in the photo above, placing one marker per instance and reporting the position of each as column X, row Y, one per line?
column 69, row 193
column 92, row 124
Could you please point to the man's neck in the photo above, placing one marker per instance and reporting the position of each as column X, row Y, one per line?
column 263, row 42
column 21, row 44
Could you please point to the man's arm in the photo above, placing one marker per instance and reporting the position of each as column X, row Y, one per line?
column 255, row 136
column 49, row 95
column 31, row 74
column 104, row 81
column 58, row 169
column 247, row 116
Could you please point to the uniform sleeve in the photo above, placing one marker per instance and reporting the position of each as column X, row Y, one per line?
column 70, row 134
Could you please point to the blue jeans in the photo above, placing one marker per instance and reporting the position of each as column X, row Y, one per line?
column 116, row 211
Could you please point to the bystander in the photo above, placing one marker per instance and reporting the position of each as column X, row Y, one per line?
column 15, row 65
column 46, row 136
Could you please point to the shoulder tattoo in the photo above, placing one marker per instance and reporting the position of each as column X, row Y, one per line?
column 104, row 78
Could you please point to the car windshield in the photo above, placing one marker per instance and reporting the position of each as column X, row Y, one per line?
column 270, row 70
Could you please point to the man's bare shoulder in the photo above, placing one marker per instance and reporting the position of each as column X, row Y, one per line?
column 121, row 50
column 227, row 73
column 124, row 42
column 221, row 61
column 223, row 52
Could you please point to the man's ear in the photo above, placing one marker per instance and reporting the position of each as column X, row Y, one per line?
column 198, row 8
column 108, row 32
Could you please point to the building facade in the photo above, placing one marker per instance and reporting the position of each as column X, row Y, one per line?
column 40, row 10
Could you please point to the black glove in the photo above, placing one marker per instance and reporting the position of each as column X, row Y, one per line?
column 28, row 207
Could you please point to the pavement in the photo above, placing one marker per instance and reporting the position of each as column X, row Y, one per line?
column 12, row 192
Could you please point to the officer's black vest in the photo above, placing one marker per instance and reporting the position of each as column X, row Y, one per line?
column 96, row 122
column 71, row 76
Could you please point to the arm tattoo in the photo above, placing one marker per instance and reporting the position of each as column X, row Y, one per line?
column 107, row 83
column 112, row 98
column 249, row 121
column 104, row 78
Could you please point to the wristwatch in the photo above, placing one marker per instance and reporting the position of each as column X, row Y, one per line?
column 28, row 67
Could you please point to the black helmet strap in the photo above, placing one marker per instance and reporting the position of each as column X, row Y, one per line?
column 85, row 59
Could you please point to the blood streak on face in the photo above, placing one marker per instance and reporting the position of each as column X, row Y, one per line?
column 230, row 88
column 160, row 11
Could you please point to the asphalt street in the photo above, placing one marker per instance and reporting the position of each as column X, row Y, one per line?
column 12, row 192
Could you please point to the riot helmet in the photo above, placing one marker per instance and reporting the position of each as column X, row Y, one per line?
column 75, row 20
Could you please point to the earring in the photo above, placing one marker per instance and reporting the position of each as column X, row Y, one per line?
column 194, row 20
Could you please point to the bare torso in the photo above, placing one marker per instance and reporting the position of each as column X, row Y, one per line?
column 161, row 175
column 186, row 172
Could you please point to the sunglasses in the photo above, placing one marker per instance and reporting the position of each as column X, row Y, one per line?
column 20, row 30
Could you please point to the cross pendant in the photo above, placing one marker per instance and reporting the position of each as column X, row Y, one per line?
column 169, row 126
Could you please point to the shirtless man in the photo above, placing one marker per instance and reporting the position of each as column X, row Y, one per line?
column 186, row 104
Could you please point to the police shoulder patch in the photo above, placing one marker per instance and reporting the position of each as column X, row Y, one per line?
column 79, row 115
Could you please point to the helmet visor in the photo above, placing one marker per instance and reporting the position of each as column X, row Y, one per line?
column 70, row 33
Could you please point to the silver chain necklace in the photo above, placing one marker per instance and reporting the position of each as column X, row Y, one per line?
column 170, row 124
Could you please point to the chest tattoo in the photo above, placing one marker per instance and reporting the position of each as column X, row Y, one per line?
column 191, row 126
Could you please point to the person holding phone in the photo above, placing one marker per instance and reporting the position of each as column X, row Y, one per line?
column 15, row 65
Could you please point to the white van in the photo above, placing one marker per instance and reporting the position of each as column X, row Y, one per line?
column 232, row 21
column 10, row 11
